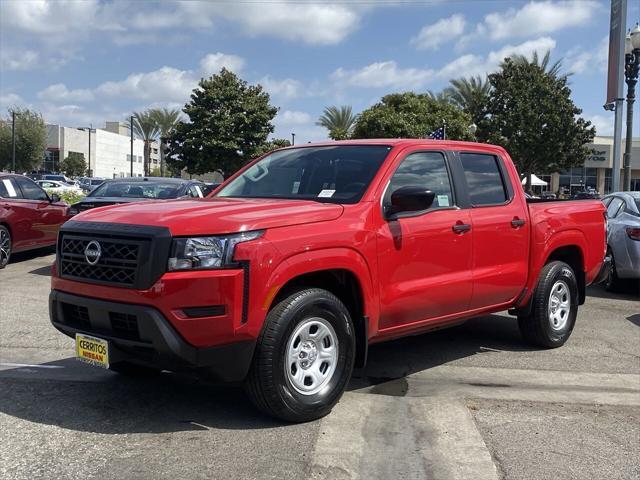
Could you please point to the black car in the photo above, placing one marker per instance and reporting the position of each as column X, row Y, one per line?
column 136, row 189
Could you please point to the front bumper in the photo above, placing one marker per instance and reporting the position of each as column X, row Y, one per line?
column 141, row 334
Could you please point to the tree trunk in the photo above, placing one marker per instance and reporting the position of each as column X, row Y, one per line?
column 147, row 154
column 528, row 186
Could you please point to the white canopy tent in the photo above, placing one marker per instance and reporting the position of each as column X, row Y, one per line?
column 535, row 181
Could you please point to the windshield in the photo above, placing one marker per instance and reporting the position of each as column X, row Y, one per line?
column 137, row 190
column 339, row 174
column 97, row 182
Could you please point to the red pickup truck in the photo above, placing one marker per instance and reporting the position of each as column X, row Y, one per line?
column 295, row 265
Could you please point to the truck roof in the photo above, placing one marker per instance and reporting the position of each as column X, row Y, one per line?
column 399, row 142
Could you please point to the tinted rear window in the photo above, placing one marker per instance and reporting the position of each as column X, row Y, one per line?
column 485, row 182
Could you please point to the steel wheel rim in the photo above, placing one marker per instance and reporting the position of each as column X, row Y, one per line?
column 311, row 356
column 5, row 247
column 559, row 305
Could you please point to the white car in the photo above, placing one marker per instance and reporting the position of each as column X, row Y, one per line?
column 54, row 186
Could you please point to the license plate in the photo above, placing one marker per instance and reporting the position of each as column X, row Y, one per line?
column 92, row 350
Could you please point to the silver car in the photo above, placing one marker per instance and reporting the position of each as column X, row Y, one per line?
column 623, row 238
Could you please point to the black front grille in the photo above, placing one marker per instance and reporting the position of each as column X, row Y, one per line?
column 124, row 325
column 118, row 262
column 76, row 316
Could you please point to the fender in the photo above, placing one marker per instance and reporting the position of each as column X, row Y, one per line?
column 326, row 259
column 551, row 242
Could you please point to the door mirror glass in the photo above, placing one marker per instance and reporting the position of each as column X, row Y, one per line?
column 55, row 198
column 409, row 199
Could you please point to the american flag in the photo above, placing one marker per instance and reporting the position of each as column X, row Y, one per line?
column 437, row 134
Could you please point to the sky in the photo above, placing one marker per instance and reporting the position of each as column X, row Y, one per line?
column 82, row 62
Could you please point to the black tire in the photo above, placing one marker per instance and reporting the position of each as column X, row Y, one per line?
column 612, row 283
column 133, row 370
column 5, row 246
column 268, row 384
column 544, row 327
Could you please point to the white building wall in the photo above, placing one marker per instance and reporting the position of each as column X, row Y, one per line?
column 113, row 155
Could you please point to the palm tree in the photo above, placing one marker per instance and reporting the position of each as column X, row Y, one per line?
column 146, row 129
column 166, row 120
column 471, row 95
column 339, row 121
column 544, row 63
column 442, row 96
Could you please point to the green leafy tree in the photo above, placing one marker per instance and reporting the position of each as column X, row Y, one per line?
column 166, row 120
column 471, row 95
column 339, row 121
column 146, row 129
column 411, row 115
column 31, row 140
column 531, row 114
column 272, row 145
column 229, row 121
column 74, row 165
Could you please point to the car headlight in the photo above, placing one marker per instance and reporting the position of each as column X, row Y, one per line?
column 201, row 253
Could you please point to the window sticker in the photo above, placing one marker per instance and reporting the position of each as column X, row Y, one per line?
column 326, row 193
column 9, row 186
column 296, row 187
column 443, row 200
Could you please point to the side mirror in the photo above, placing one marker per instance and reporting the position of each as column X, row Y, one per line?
column 409, row 199
column 55, row 198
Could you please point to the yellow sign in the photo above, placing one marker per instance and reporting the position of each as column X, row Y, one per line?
column 92, row 350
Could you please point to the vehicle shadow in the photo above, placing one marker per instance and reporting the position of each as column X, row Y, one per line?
column 635, row 319
column 31, row 254
column 84, row 398
column 631, row 291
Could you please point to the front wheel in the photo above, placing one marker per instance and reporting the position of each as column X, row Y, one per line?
column 304, row 357
column 554, row 309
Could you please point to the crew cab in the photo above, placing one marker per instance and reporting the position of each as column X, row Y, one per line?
column 284, row 276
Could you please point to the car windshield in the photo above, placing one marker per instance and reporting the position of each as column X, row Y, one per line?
column 97, row 181
column 161, row 190
column 336, row 174
column 57, row 178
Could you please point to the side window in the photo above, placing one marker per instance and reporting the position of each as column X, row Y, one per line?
column 424, row 169
column 30, row 190
column 614, row 207
column 484, row 180
column 195, row 192
column 9, row 189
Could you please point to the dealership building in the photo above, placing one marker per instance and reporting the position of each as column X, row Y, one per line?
column 596, row 171
column 107, row 151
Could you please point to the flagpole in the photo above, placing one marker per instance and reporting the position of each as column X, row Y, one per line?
column 444, row 129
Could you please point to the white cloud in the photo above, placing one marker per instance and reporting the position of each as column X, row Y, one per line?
column 593, row 60
column 470, row 65
column 383, row 75
column 604, row 125
column 165, row 84
column 18, row 59
column 286, row 89
column 213, row 63
column 444, row 30
column 10, row 100
column 59, row 93
column 536, row 18
column 292, row 117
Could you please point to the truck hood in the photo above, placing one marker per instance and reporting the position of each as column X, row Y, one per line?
column 215, row 215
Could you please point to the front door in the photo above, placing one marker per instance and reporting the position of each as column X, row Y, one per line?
column 424, row 258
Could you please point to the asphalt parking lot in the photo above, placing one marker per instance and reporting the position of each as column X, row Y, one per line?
column 468, row 402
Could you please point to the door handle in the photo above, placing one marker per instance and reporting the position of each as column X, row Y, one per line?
column 460, row 228
column 517, row 222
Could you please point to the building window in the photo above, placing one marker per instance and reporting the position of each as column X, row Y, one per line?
column 139, row 159
column 578, row 179
column 51, row 161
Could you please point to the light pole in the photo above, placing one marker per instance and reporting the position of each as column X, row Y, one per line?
column 631, row 68
column 293, row 139
column 131, row 130
column 89, row 163
column 13, row 141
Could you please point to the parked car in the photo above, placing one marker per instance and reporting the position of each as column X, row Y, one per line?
column 623, row 238
column 308, row 255
column 89, row 183
column 58, row 187
column 588, row 195
column 209, row 187
column 29, row 217
column 136, row 189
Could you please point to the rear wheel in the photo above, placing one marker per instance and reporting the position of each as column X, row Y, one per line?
column 5, row 246
column 304, row 357
column 612, row 283
column 554, row 309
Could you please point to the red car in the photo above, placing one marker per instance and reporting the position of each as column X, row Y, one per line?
column 295, row 265
column 29, row 217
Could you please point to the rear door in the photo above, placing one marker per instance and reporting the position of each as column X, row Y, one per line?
column 500, row 230
column 18, row 213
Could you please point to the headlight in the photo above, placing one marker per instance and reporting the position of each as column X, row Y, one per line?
column 201, row 253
